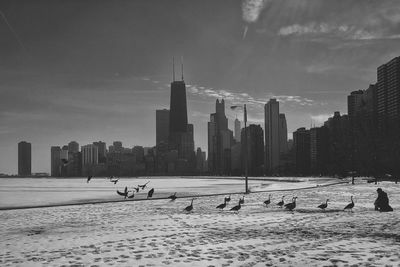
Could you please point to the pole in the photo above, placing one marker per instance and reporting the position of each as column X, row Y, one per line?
column 245, row 153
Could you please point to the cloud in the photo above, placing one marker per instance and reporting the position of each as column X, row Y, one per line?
column 251, row 9
column 320, row 118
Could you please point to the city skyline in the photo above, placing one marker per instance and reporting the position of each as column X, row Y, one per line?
column 65, row 80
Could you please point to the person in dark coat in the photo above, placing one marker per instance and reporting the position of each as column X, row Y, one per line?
column 382, row 201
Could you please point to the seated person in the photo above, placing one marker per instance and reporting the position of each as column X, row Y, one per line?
column 382, row 201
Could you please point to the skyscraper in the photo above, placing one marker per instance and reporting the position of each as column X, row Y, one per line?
column 302, row 148
column 162, row 126
column 102, row 150
column 388, row 97
column 255, row 149
column 220, row 140
column 73, row 147
column 283, row 146
column 55, row 161
column 117, row 146
column 24, row 158
column 237, row 130
column 89, row 155
column 272, row 139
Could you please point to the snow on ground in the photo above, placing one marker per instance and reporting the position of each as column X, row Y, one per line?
column 160, row 233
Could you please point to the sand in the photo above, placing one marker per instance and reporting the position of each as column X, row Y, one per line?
column 160, row 233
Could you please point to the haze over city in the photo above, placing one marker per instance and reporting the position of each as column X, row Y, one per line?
column 89, row 72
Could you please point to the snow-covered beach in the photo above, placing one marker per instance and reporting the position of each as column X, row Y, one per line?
column 160, row 233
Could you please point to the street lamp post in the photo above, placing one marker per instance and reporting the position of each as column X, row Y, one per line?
column 245, row 147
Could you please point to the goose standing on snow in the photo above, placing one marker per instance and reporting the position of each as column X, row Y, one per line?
column 241, row 201
column 190, row 207
column 173, row 197
column 222, row 206
column 350, row 206
column 150, row 193
column 281, row 203
column 292, row 205
column 324, row 205
column 268, row 201
column 237, row 207
column 227, row 199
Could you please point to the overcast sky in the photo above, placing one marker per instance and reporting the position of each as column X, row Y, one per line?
column 98, row 70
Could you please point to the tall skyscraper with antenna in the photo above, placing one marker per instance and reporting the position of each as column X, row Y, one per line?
column 180, row 132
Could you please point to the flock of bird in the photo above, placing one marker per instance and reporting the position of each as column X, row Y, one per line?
column 288, row 206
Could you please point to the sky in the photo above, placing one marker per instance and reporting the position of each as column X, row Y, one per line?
column 97, row 70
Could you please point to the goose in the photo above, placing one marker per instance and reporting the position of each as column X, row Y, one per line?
column 241, row 201
column 268, row 201
column 350, row 206
column 143, row 186
column 132, row 196
column 292, row 205
column 222, row 206
column 125, row 193
column 237, row 207
column 137, row 189
column 89, row 178
column 190, row 207
column 227, row 199
column 323, row 206
column 150, row 193
column 173, row 197
column 281, row 203
column 115, row 181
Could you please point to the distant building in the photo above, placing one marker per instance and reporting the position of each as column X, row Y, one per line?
column 162, row 126
column 55, row 161
column 237, row 130
column 255, row 149
column 319, row 150
column 283, row 145
column 24, row 158
column 73, row 147
column 272, row 139
column 90, row 158
column 220, row 140
column 118, row 146
column 388, row 97
column 302, row 147
column 102, row 150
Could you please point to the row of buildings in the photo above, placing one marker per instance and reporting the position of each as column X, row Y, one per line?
column 366, row 141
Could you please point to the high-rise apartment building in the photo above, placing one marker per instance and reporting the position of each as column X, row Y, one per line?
column 73, row 147
column 283, row 146
column 302, row 148
column 90, row 155
column 102, row 150
column 55, row 161
column 237, row 130
column 24, row 158
column 272, row 139
column 255, row 149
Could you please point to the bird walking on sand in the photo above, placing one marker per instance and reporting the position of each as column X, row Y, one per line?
column 241, row 201
column 89, row 178
column 292, row 205
column 222, row 206
column 350, row 206
column 281, row 203
column 268, row 201
column 143, row 186
column 190, row 207
column 227, row 199
column 236, row 208
column 323, row 206
column 173, row 197
column 150, row 193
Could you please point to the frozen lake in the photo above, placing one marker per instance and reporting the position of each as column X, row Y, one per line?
column 19, row 192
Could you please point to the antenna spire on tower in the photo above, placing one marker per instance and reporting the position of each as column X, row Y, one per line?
column 173, row 69
column 182, row 66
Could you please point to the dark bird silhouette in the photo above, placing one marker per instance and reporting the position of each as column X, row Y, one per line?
column 350, row 206
column 281, row 203
column 268, row 201
column 241, row 201
column 190, row 207
column 236, row 208
column 227, row 199
column 125, row 193
column 132, row 196
column 115, row 181
column 89, row 178
column 173, row 197
column 143, row 186
column 150, row 193
column 137, row 189
column 292, row 205
column 222, row 206
column 324, row 205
